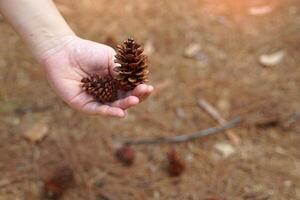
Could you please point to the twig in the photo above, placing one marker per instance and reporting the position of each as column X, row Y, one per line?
column 217, row 116
column 184, row 138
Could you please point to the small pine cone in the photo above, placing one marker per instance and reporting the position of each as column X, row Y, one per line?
column 175, row 164
column 56, row 184
column 133, row 69
column 103, row 90
column 126, row 155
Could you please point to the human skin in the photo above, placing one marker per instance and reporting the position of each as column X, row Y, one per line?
column 67, row 58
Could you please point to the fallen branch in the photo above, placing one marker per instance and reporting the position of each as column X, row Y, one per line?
column 217, row 116
column 184, row 138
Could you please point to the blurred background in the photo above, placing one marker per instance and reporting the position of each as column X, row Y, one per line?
column 240, row 56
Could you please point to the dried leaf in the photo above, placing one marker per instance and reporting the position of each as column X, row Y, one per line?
column 273, row 59
column 37, row 132
column 260, row 10
column 225, row 149
column 192, row 50
column 149, row 48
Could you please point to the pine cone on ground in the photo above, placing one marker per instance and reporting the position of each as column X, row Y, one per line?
column 126, row 155
column 176, row 165
column 133, row 69
column 103, row 89
column 59, row 180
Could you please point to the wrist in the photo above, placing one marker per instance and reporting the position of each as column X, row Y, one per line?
column 47, row 47
column 45, row 33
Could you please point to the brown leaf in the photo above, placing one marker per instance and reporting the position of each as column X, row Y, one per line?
column 192, row 50
column 149, row 48
column 37, row 132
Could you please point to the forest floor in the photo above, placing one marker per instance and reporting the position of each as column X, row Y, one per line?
column 207, row 49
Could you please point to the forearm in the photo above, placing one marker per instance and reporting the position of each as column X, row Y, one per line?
column 38, row 22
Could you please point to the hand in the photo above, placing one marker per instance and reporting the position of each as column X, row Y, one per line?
column 68, row 63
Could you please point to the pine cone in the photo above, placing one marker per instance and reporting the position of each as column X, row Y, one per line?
column 175, row 164
column 59, row 180
column 103, row 89
column 133, row 69
column 126, row 155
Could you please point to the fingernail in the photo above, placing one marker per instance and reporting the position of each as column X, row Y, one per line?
column 150, row 88
column 135, row 100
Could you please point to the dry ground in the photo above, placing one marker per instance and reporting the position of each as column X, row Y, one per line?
column 266, row 165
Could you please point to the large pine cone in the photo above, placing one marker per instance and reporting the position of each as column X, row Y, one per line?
column 103, row 90
column 133, row 69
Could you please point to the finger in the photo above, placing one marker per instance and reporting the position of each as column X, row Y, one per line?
column 142, row 91
column 105, row 110
column 139, row 90
column 150, row 89
column 81, row 100
column 126, row 102
column 110, row 111
column 112, row 65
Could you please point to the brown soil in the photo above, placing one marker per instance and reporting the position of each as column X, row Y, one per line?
column 265, row 166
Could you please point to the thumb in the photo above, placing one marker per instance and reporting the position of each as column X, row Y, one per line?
column 112, row 64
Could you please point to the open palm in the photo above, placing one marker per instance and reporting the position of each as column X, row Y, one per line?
column 67, row 64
